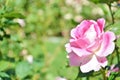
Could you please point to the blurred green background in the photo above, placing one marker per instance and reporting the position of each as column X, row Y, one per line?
column 33, row 34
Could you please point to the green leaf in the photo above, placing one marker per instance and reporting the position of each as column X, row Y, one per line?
column 3, row 74
column 23, row 69
column 115, row 28
column 112, row 76
column 13, row 15
column 117, row 14
column 4, row 65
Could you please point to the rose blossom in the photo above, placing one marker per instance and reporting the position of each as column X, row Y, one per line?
column 89, row 45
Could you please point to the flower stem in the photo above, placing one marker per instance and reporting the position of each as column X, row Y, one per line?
column 112, row 15
column 117, row 53
column 87, row 78
column 103, row 74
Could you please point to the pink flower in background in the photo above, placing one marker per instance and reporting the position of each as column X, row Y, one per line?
column 21, row 22
column 112, row 69
column 89, row 45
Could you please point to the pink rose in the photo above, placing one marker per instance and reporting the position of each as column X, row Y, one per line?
column 89, row 45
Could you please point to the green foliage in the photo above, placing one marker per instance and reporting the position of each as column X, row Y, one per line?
column 23, row 69
column 115, row 28
column 3, row 74
column 113, row 76
column 117, row 14
column 5, row 65
column 13, row 15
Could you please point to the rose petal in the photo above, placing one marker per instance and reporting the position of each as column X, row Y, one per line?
column 75, row 60
column 73, row 33
column 107, row 45
column 80, row 43
column 80, row 52
column 93, row 64
column 80, row 29
column 94, row 46
column 90, row 34
column 68, row 47
column 101, row 23
column 102, row 61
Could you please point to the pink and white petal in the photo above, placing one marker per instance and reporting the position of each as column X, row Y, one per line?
column 83, row 26
column 111, row 35
column 90, row 34
column 73, row 33
column 98, row 31
column 94, row 46
column 109, row 49
column 77, row 32
column 107, row 45
column 101, row 24
column 75, row 60
column 93, row 64
column 96, row 27
column 80, row 43
column 105, row 51
column 102, row 61
column 80, row 52
column 68, row 48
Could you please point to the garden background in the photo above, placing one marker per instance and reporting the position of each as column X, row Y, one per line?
column 33, row 34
